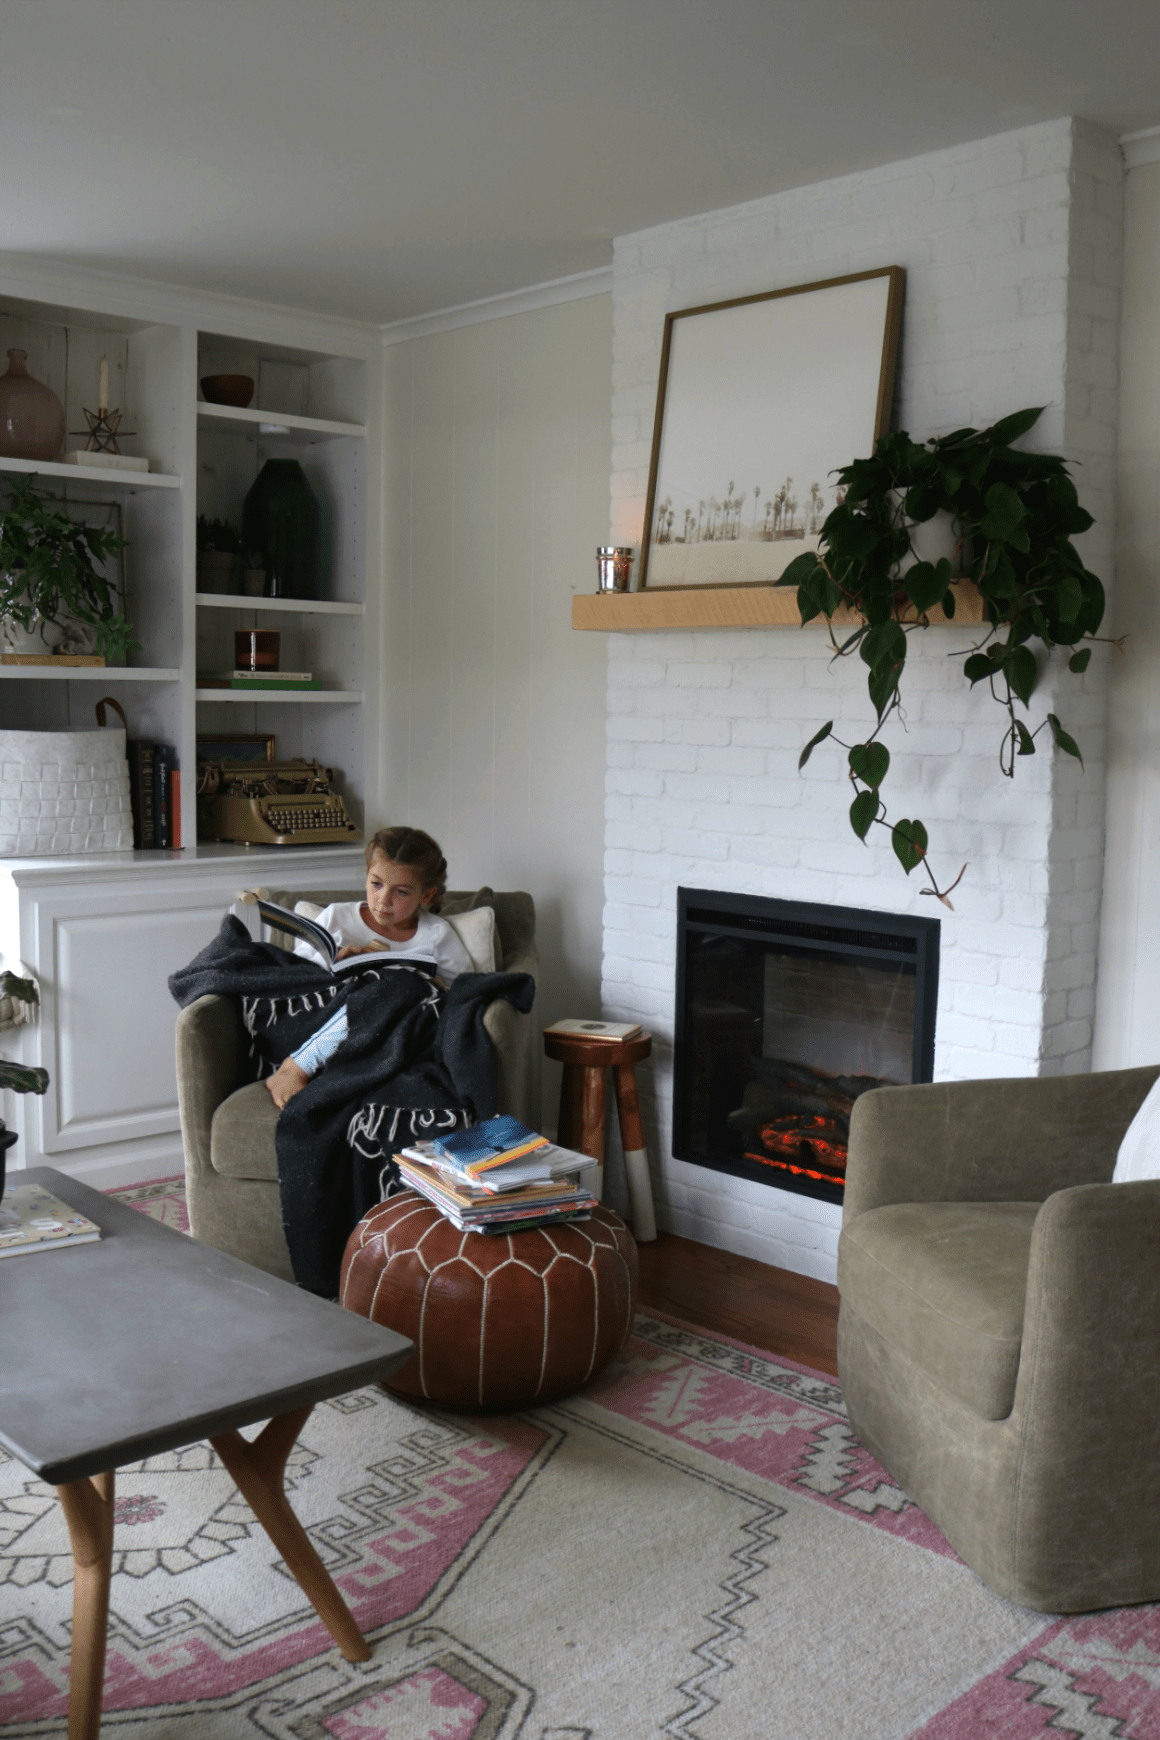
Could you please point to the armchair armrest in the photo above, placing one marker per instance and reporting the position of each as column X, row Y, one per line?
column 1009, row 1140
column 515, row 1042
column 210, row 1065
column 1085, row 1410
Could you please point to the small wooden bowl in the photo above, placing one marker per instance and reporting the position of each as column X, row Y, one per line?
column 228, row 389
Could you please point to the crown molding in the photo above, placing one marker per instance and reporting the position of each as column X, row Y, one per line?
column 39, row 279
column 571, row 289
column 1140, row 148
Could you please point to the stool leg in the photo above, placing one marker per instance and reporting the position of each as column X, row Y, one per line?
column 592, row 1124
column 570, row 1129
column 644, row 1226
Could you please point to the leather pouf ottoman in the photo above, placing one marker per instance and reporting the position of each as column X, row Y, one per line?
column 497, row 1319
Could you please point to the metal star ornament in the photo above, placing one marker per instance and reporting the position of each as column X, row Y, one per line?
column 104, row 428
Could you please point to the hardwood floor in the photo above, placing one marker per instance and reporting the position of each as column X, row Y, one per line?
column 770, row 1308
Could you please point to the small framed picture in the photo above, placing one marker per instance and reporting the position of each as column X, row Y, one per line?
column 236, row 746
column 760, row 401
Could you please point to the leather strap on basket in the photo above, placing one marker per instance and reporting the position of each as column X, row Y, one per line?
column 108, row 701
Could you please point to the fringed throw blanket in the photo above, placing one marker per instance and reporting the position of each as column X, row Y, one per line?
column 415, row 1060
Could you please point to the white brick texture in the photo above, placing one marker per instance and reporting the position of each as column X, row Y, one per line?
column 1012, row 252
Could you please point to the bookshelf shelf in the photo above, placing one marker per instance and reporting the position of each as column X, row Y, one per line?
column 89, row 475
column 92, row 674
column 274, row 424
column 281, row 697
column 289, row 606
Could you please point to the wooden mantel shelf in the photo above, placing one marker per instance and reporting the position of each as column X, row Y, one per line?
column 725, row 607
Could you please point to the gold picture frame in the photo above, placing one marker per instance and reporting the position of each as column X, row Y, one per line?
column 755, row 393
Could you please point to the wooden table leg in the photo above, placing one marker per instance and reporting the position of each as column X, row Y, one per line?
column 88, row 1509
column 644, row 1226
column 257, row 1470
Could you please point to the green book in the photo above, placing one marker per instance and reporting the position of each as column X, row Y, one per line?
column 266, row 683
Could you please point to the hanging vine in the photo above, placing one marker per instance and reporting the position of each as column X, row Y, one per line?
column 1014, row 515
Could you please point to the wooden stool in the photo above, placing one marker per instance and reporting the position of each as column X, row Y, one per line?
column 582, row 1111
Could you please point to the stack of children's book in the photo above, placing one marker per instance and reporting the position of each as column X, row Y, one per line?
column 498, row 1177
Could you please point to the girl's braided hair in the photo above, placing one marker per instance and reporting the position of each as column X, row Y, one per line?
column 416, row 851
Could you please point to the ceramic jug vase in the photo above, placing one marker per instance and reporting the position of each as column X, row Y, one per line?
column 31, row 415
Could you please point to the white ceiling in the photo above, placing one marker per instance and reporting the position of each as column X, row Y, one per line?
column 384, row 158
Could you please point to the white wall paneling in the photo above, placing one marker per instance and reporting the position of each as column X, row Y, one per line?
column 1128, row 1019
column 497, row 461
column 102, row 936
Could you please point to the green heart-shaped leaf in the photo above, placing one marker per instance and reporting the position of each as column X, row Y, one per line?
column 869, row 762
column 862, row 812
column 818, row 737
column 925, row 583
column 1004, row 513
column 1009, row 429
column 1066, row 743
column 909, row 841
column 1021, row 671
column 799, row 571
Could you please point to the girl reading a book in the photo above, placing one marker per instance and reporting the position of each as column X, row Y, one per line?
column 406, row 882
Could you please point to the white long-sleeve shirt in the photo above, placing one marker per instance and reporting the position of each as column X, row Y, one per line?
column 434, row 940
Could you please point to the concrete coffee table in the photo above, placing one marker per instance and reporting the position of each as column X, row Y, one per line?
column 148, row 1340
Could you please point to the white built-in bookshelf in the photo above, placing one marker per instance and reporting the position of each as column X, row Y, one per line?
column 316, row 382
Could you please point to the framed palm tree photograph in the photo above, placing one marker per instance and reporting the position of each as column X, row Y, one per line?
column 761, row 399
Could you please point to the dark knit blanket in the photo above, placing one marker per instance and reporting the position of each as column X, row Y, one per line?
column 416, row 1060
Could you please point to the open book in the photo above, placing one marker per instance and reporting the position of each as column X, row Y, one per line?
column 308, row 930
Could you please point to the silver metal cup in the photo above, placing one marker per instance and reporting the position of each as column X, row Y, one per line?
column 613, row 567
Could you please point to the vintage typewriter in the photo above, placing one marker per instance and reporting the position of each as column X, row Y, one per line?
column 271, row 803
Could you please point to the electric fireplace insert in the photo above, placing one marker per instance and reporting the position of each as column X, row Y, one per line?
column 786, row 1013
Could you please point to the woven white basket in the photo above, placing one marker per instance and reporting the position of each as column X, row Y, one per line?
column 63, row 792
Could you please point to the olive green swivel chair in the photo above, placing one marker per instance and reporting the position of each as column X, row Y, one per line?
column 999, row 1334
column 228, row 1119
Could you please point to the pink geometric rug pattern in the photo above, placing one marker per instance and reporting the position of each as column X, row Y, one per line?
column 696, row 1547
column 161, row 1199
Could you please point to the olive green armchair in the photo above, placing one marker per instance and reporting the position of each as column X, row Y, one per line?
column 228, row 1119
column 999, row 1333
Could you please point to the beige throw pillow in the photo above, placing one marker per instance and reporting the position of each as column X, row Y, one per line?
column 476, row 931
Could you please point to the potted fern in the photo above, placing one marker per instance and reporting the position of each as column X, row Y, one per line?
column 54, row 596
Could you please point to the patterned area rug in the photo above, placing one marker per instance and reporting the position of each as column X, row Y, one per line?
column 696, row 1547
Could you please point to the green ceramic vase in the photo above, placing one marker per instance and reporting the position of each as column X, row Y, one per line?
column 280, row 519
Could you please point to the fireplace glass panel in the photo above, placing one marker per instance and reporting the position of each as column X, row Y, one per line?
column 777, row 1038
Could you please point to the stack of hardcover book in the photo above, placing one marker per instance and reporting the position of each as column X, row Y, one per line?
column 155, row 795
column 498, row 1177
column 258, row 681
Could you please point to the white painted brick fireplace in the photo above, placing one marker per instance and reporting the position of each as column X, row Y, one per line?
column 1012, row 250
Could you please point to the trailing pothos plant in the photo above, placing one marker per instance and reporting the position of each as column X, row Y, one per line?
column 1014, row 515
column 50, row 569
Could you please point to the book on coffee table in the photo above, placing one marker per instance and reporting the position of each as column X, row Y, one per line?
column 33, row 1220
